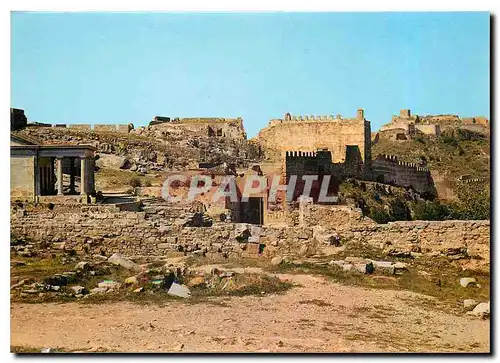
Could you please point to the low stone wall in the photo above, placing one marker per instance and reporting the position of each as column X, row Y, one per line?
column 162, row 229
column 424, row 236
column 80, row 127
column 428, row 236
column 155, row 231
column 106, row 229
column 106, row 128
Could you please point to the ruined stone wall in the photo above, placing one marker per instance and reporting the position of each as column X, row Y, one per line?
column 406, row 236
column 476, row 128
column 430, row 124
column 121, row 128
column 158, row 231
column 105, row 229
column 477, row 120
column 22, row 178
column 213, row 127
column 338, row 216
column 18, row 119
column 318, row 132
column 429, row 236
column 428, row 129
column 402, row 173
column 80, row 127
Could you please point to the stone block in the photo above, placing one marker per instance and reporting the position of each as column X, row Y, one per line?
column 171, row 240
column 467, row 281
column 254, row 239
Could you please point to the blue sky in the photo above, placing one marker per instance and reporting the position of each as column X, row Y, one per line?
column 129, row 67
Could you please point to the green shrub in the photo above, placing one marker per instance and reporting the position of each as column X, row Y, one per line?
column 430, row 211
column 474, row 202
column 134, row 182
column 380, row 215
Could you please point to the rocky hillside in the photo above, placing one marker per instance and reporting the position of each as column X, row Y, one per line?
column 152, row 150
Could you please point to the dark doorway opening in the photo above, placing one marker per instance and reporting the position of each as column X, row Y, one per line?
column 252, row 211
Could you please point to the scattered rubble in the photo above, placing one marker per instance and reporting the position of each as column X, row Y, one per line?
column 117, row 259
column 179, row 290
column 109, row 285
column 79, row 290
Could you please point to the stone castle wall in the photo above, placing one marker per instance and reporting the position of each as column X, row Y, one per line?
column 309, row 134
column 402, row 173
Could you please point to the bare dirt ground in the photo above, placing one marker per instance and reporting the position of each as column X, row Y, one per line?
column 316, row 316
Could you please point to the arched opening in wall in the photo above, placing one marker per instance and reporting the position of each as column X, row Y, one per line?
column 219, row 132
column 401, row 137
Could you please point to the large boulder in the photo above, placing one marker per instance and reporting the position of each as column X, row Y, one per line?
column 277, row 261
column 82, row 266
column 470, row 304
column 119, row 260
column 467, row 281
column 482, row 310
column 111, row 161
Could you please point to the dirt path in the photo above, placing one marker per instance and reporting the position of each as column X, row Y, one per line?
column 319, row 316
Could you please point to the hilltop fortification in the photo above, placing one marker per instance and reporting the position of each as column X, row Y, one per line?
column 406, row 126
column 231, row 128
column 312, row 133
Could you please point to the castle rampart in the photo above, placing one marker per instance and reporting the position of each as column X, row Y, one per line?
column 402, row 173
column 312, row 133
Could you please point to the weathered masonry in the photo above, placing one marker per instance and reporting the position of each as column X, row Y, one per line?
column 38, row 171
column 163, row 229
column 341, row 137
column 231, row 128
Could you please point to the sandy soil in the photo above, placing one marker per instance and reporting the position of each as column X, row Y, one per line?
column 318, row 316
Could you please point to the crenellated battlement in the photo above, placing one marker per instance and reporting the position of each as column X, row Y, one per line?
column 310, row 133
column 394, row 160
column 288, row 117
column 403, row 173
column 300, row 154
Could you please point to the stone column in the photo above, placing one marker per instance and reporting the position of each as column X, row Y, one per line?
column 83, row 176
column 59, row 176
column 72, row 174
column 52, row 176
column 91, row 172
